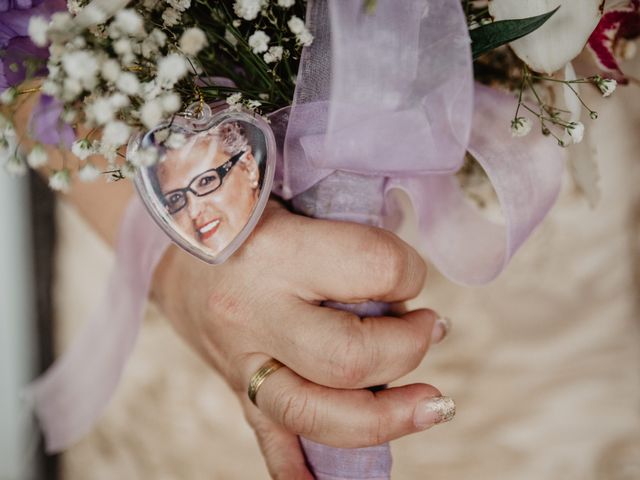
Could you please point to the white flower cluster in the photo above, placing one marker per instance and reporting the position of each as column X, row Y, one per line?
column 520, row 127
column 236, row 102
column 606, row 85
column 118, row 65
column 113, row 73
column 11, row 156
column 259, row 40
column 300, row 30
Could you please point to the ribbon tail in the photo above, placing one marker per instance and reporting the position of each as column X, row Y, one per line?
column 526, row 174
column 70, row 396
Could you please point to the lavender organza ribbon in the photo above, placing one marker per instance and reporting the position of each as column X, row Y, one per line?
column 70, row 396
column 390, row 95
column 387, row 96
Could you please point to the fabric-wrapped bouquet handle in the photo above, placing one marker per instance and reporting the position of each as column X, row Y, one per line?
column 327, row 199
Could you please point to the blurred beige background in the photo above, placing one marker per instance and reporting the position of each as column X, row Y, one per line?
column 543, row 363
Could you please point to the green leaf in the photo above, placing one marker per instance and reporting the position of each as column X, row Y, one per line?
column 493, row 35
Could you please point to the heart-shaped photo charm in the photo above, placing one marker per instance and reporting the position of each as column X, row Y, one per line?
column 205, row 177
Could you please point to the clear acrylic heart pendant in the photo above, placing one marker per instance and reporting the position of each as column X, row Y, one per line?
column 205, row 177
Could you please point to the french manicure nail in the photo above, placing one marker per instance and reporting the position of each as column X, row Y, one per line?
column 432, row 411
column 441, row 329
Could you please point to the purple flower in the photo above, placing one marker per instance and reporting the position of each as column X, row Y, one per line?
column 18, row 54
column 47, row 127
column 15, row 46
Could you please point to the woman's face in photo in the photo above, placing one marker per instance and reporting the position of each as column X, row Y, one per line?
column 213, row 219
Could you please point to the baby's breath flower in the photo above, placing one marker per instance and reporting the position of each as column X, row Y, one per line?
column 73, row 6
column 253, row 104
column 81, row 65
column 180, row 5
column 151, row 113
column 60, row 180
column 171, row 69
column 159, row 37
column 38, row 30
column 259, row 42
column 128, row 170
column 171, row 102
column 130, row 22
column 234, row 100
column 49, row 87
column 119, row 101
column 230, row 38
column 192, row 41
column 116, row 133
column 79, row 42
column 296, row 25
column 606, row 85
column 298, row 28
column 520, row 126
column 576, row 131
column 9, row 132
column 151, row 90
column 94, row 14
column 149, row 48
column 88, row 172
column 124, row 49
column 37, row 156
column 248, row 9
column 82, row 148
column 274, row 54
column 69, row 115
column 8, row 96
column 71, row 88
column 150, row 4
column 144, row 157
column 16, row 165
column 63, row 22
column 305, row 38
column 100, row 111
column 128, row 83
column 176, row 140
column 110, row 152
column 171, row 17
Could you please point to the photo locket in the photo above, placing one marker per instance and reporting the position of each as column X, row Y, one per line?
column 205, row 177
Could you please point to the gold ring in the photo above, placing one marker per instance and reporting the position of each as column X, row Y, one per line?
column 261, row 374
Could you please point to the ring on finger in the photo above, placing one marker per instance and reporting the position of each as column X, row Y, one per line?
column 260, row 376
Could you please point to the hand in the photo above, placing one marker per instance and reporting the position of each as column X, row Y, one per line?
column 265, row 302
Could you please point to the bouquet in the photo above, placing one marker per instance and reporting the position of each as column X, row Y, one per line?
column 329, row 85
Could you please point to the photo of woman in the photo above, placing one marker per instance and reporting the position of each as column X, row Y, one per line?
column 211, row 184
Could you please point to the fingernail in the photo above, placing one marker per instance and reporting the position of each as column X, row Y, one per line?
column 441, row 329
column 432, row 411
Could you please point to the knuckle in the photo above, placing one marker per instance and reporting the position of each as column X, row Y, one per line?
column 351, row 358
column 388, row 260
column 296, row 412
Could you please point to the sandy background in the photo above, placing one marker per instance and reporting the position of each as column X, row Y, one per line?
column 543, row 363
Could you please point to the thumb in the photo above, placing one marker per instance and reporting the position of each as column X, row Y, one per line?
column 281, row 449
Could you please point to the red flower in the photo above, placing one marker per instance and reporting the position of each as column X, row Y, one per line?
column 616, row 26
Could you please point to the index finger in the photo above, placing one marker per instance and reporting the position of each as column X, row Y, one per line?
column 352, row 263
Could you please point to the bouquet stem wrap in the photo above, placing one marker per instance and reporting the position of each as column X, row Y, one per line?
column 329, row 199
